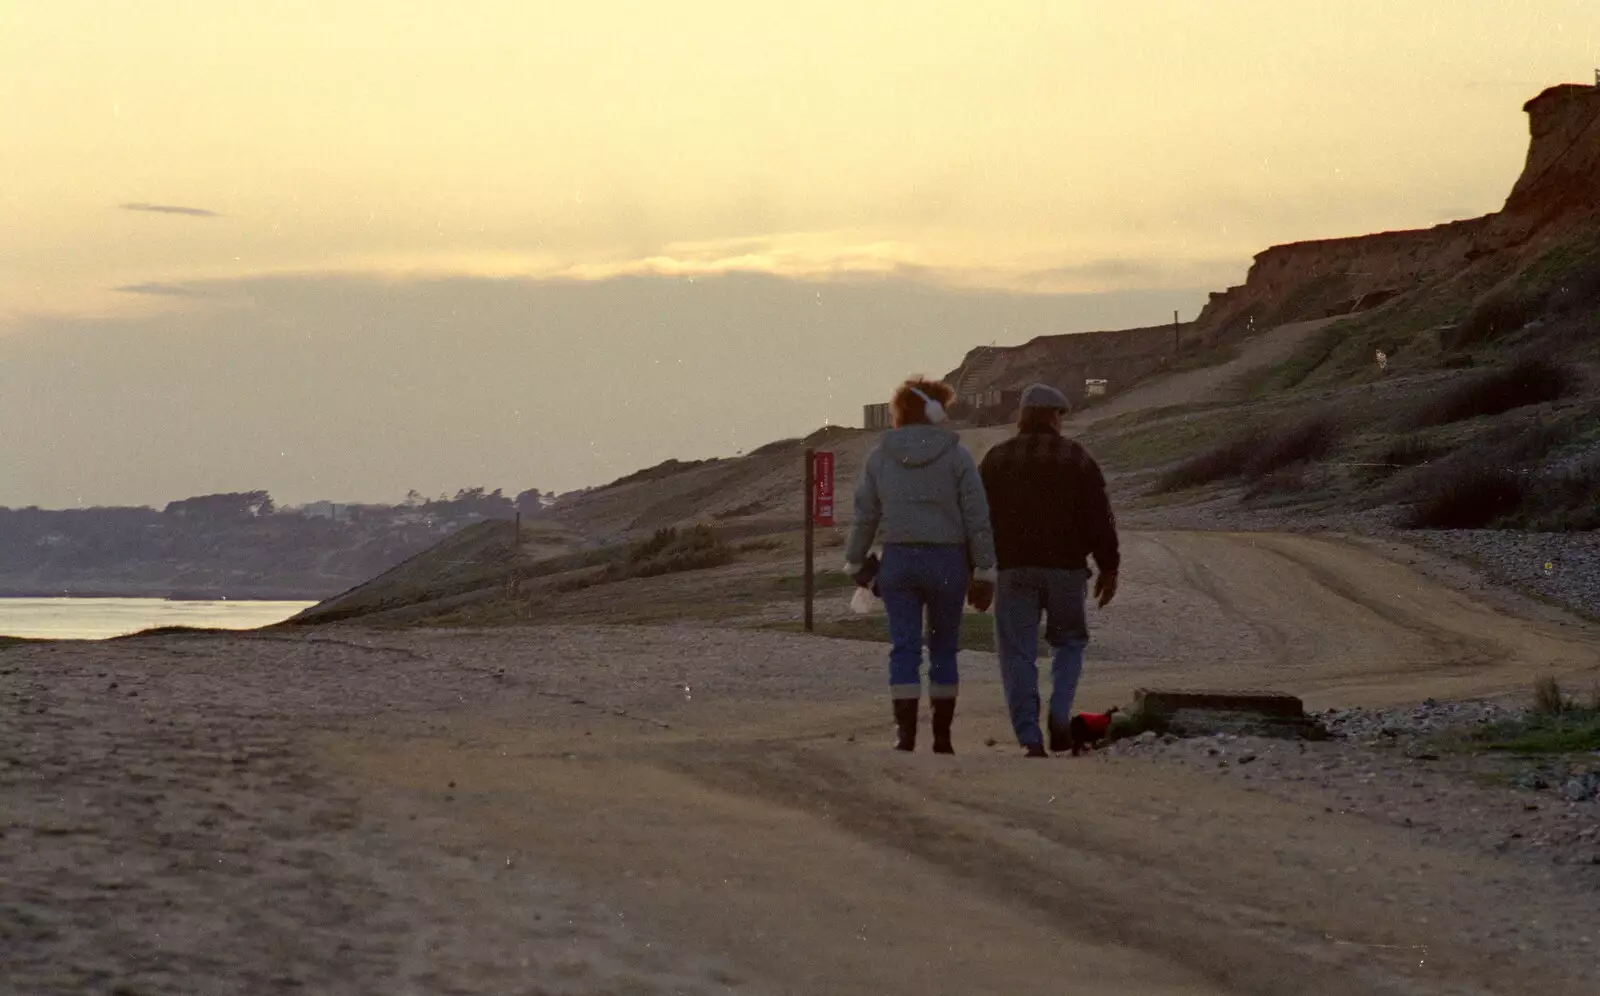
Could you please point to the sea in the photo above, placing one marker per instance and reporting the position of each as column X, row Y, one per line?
column 100, row 618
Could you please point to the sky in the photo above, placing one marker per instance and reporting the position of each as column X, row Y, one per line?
column 343, row 249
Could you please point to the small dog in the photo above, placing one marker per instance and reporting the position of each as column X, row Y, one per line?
column 1087, row 729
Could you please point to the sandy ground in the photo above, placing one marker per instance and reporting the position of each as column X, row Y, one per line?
column 691, row 810
column 1270, row 348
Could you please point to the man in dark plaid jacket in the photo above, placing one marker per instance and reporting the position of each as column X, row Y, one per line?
column 1050, row 513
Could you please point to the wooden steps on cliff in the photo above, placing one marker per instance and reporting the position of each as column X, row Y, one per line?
column 978, row 367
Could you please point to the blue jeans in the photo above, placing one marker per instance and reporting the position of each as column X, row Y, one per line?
column 1024, row 593
column 914, row 578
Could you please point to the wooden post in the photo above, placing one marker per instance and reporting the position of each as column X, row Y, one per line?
column 1175, row 343
column 516, row 551
column 809, row 511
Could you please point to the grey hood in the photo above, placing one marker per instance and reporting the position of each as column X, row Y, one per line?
column 918, row 445
column 921, row 486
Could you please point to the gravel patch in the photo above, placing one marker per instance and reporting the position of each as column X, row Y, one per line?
column 1395, row 766
column 1561, row 567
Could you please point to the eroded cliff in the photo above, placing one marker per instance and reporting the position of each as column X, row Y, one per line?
column 1554, row 205
column 1554, row 200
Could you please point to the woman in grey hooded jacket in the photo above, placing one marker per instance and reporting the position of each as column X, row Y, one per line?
column 921, row 495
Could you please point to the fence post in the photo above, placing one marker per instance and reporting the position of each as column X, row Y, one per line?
column 516, row 551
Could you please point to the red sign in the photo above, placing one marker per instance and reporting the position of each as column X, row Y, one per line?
column 822, row 489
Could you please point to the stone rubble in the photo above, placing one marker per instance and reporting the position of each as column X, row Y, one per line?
column 1398, row 766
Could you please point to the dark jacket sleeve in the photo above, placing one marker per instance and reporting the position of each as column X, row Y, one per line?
column 1100, row 523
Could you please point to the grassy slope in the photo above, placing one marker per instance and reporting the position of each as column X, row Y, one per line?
column 1379, row 453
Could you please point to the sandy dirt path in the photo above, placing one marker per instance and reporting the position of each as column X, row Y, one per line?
column 680, row 810
column 1270, row 348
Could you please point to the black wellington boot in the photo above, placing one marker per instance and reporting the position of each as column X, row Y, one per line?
column 944, row 713
column 905, row 724
column 1060, row 736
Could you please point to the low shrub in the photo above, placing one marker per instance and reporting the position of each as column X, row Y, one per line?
column 1530, row 381
column 1495, row 317
column 1467, row 496
column 1496, row 479
column 654, row 546
column 1521, row 446
column 1555, row 725
column 670, row 551
column 1228, row 459
column 1548, row 698
column 1411, row 451
column 1256, row 454
column 1311, row 439
column 1565, row 502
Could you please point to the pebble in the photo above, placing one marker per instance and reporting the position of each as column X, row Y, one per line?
column 1519, row 558
column 1479, row 800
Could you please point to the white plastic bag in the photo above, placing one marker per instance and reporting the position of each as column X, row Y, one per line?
column 864, row 602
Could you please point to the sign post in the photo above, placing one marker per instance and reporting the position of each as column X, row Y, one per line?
column 822, row 482
column 818, row 512
column 809, row 504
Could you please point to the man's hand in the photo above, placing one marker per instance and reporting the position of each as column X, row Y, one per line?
column 980, row 594
column 1105, row 588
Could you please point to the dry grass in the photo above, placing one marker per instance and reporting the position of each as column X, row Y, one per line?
column 668, row 551
column 1258, row 453
column 1223, row 461
column 1497, row 479
column 1311, row 439
column 1530, row 381
column 1548, row 698
column 1467, row 497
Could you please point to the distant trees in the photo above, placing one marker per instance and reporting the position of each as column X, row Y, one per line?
column 229, row 507
column 467, row 503
column 217, row 539
column 530, row 503
column 489, row 504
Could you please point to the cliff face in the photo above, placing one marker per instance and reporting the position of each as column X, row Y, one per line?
column 1556, row 198
column 1559, row 188
column 1563, row 167
column 1065, row 361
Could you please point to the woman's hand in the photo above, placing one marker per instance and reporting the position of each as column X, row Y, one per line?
column 980, row 594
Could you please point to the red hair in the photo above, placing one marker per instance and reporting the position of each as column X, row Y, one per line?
column 908, row 409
